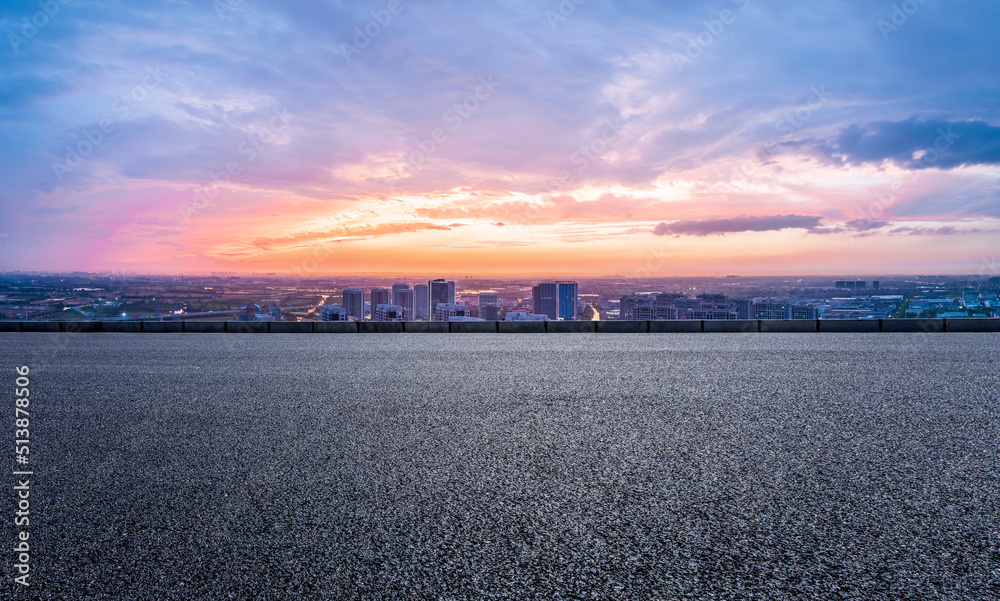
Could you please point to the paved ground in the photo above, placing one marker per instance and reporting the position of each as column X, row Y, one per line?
column 734, row 466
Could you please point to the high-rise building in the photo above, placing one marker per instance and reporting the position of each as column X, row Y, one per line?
column 545, row 300
column 489, row 306
column 668, row 298
column 841, row 284
column 801, row 312
column 875, row 284
column 522, row 316
column 332, row 313
column 380, row 296
column 396, row 288
column 742, row 307
column 771, row 310
column 386, row 312
column 247, row 313
column 707, row 312
column 354, row 304
column 566, row 296
column 440, row 291
column 404, row 298
column 445, row 311
column 712, row 299
column 421, row 302
column 638, row 307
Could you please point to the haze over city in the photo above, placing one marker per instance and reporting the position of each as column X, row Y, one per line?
column 568, row 139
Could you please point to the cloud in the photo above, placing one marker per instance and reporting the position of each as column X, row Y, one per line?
column 915, row 144
column 762, row 223
column 344, row 233
column 946, row 230
column 863, row 225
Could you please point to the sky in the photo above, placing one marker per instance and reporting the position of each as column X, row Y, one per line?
column 573, row 138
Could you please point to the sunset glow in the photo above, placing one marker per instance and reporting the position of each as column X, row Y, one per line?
column 453, row 138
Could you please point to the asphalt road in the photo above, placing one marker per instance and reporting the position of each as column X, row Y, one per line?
column 731, row 466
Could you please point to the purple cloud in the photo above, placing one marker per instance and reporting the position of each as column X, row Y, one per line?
column 709, row 227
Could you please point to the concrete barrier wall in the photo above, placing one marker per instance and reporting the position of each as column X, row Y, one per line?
column 972, row 325
column 163, row 327
column 291, row 327
column 521, row 327
column 797, row 326
column 513, row 327
column 380, row 327
column 730, row 326
column 912, row 325
column 623, row 327
column 572, row 327
column 335, row 327
column 425, row 326
column 676, row 327
column 473, row 327
column 850, row 325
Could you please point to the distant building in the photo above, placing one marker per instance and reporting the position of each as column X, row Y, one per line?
column 545, row 300
column 712, row 299
column 841, row 284
column 489, row 306
column 668, row 298
column 709, row 313
column 386, row 312
column 380, row 296
column 421, row 302
column 464, row 318
column 332, row 313
column 741, row 307
column 522, row 316
column 644, row 307
column 441, row 291
column 396, row 288
column 276, row 313
column 771, row 310
column 567, row 300
column 247, row 313
column 445, row 311
column 404, row 298
column 489, row 312
column 354, row 304
column 800, row 312
column 875, row 284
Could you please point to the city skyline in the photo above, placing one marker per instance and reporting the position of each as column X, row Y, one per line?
column 573, row 139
